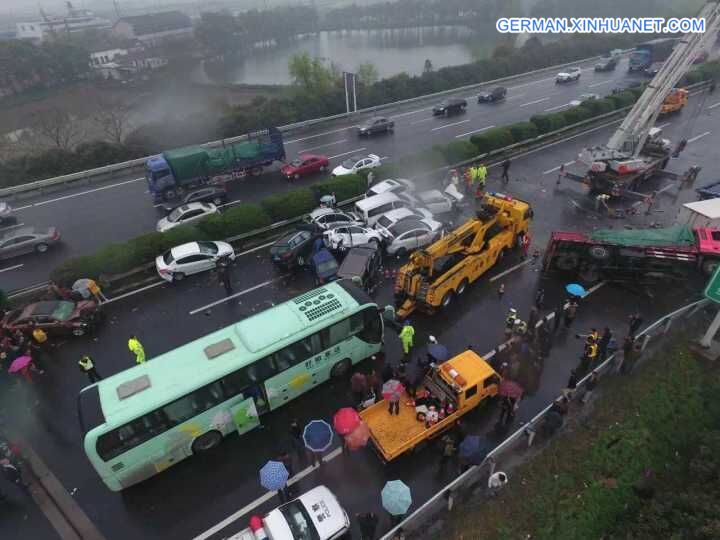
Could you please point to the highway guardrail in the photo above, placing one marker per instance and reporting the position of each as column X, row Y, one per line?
column 102, row 173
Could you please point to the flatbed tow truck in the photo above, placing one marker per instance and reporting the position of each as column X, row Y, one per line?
column 458, row 385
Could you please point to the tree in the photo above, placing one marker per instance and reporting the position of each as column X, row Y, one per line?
column 59, row 127
column 310, row 74
column 219, row 32
column 367, row 74
column 428, row 68
column 112, row 116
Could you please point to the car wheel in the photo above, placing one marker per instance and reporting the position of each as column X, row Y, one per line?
column 178, row 276
column 461, row 288
column 447, row 299
column 341, row 368
column 296, row 176
column 79, row 331
column 41, row 248
column 217, row 201
column 324, row 168
column 256, row 171
column 206, row 441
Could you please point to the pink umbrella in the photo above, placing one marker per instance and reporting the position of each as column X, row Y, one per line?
column 392, row 390
column 20, row 363
column 359, row 437
column 510, row 389
column 346, row 420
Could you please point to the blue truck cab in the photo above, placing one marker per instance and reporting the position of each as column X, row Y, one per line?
column 159, row 177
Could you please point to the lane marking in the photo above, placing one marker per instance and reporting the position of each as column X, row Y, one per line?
column 714, row 105
column 42, row 203
column 136, row 291
column 517, row 96
column 473, row 131
column 557, row 107
column 236, row 295
column 696, row 137
column 346, row 153
column 321, row 145
column 423, row 120
column 601, row 83
column 263, row 498
column 11, row 227
column 531, row 83
column 536, row 101
column 558, row 167
column 254, row 249
column 11, row 268
column 320, row 134
column 666, row 124
column 410, row 112
column 511, row 269
column 451, row 125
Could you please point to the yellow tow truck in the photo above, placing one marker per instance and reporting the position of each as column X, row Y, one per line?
column 458, row 385
column 435, row 274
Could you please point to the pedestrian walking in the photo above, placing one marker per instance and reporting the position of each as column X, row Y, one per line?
column 406, row 336
column 603, row 343
column 571, row 387
column 506, row 407
column 634, row 322
column 525, row 244
column 137, row 349
column 559, row 314
column 358, row 387
column 223, row 267
column 590, row 387
column 368, row 523
column 296, row 440
column 39, row 344
column 570, row 312
column 501, row 291
column 394, row 405
column 496, row 482
column 448, row 450
column 505, row 170
column 374, row 383
column 540, row 298
column 87, row 366
column 590, row 354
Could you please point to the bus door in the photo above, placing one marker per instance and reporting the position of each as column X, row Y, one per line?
column 245, row 415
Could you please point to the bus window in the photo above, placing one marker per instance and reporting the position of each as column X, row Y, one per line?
column 261, row 370
column 357, row 322
column 336, row 333
column 235, row 383
column 132, row 434
column 293, row 354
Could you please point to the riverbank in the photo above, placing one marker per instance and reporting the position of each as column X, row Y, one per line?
column 625, row 468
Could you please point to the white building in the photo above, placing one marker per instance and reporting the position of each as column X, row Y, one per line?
column 76, row 20
column 154, row 28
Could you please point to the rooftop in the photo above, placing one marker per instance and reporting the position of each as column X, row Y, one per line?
column 154, row 23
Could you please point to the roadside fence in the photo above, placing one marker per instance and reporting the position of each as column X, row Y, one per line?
column 427, row 520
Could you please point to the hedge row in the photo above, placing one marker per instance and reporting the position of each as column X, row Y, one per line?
column 119, row 258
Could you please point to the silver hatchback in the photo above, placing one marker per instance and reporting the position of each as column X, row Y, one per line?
column 27, row 240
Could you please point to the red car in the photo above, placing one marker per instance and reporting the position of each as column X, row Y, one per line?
column 305, row 164
column 55, row 317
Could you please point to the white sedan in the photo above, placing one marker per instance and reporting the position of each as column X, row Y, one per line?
column 409, row 234
column 329, row 218
column 398, row 186
column 191, row 258
column 583, row 97
column 388, row 219
column 356, row 163
column 438, row 202
column 187, row 213
column 351, row 236
column 572, row 74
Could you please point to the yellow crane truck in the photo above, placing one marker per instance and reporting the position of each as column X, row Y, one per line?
column 435, row 274
column 458, row 386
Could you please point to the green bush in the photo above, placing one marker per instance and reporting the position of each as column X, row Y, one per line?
column 547, row 123
column 289, row 205
column 623, row 99
column 241, row 219
column 576, row 114
column 492, row 139
column 522, row 131
column 344, row 187
column 456, row 151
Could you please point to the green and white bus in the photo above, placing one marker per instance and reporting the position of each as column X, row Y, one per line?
column 143, row 420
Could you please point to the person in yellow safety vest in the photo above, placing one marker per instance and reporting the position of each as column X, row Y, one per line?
column 481, row 177
column 96, row 291
column 406, row 336
column 137, row 349
column 87, row 366
column 520, row 327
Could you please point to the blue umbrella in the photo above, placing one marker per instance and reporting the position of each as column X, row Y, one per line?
column 575, row 289
column 396, row 498
column 438, row 352
column 274, row 476
column 473, row 449
column 318, row 436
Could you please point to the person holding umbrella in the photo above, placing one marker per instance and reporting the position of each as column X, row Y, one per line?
column 392, row 392
column 274, row 477
column 396, row 499
column 318, row 438
column 368, row 524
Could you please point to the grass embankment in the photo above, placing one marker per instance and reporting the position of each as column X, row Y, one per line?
column 663, row 420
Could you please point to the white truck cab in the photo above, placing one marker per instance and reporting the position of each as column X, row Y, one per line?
column 315, row 515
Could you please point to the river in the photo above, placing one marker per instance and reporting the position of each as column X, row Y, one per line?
column 391, row 51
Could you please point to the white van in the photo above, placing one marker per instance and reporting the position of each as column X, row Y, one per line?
column 371, row 208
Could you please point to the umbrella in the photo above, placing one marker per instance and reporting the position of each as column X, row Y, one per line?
column 438, row 352
column 19, row 363
column 346, row 420
column 359, row 437
column 82, row 286
column 274, row 475
column 510, row 389
column 473, row 449
column 396, row 498
column 575, row 289
column 318, row 436
column 392, row 390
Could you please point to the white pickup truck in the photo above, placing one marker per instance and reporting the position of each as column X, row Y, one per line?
column 315, row 515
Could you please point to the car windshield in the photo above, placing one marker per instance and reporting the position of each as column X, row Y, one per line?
column 175, row 214
column 62, row 311
column 208, row 248
column 167, row 257
column 348, row 163
column 299, row 521
column 384, row 221
column 296, row 162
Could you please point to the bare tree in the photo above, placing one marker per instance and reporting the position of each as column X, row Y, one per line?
column 59, row 127
column 112, row 116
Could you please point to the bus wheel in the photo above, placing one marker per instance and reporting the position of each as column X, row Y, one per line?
column 599, row 252
column 341, row 368
column 206, row 441
column 590, row 274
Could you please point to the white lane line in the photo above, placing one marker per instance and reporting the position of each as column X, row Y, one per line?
column 451, row 125
column 511, row 269
column 236, row 295
column 534, row 102
column 661, row 126
column 714, row 105
column 696, row 137
column 136, row 291
column 321, row 145
column 263, row 498
column 517, row 96
column 254, row 249
column 41, row 203
column 11, row 227
column 531, row 83
column 557, row 107
column 473, row 131
column 320, row 134
column 601, row 83
column 423, row 120
column 558, row 167
column 346, row 153
column 11, row 268
column 410, row 112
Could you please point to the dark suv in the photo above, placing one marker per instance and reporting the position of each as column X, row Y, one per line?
column 378, row 124
column 606, row 64
column 496, row 94
column 294, row 249
column 450, row 106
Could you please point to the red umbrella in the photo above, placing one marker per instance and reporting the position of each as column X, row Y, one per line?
column 19, row 363
column 346, row 420
column 510, row 389
column 359, row 437
column 392, row 390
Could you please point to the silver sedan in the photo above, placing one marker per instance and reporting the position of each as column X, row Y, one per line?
column 27, row 240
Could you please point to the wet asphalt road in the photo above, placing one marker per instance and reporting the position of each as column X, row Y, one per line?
column 195, row 495
column 92, row 216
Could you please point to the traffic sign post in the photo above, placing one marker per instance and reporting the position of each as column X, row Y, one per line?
column 712, row 292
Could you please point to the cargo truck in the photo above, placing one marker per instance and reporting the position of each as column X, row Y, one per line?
column 700, row 214
column 173, row 172
column 458, row 386
column 675, row 101
column 646, row 54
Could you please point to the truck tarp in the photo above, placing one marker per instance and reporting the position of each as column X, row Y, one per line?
column 671, row 236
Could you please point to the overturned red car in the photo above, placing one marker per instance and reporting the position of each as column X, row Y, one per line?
column 55, row 317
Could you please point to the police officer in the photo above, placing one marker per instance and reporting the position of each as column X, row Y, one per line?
column 87, row 366
column 137, row 349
